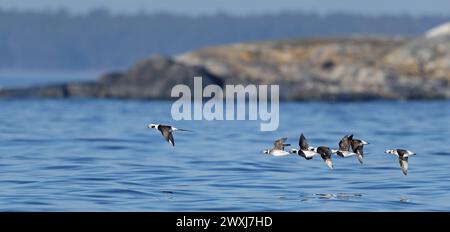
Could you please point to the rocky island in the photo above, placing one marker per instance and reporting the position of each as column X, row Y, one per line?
column 335, row 69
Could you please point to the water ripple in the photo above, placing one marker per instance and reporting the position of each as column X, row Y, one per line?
column 74, row 158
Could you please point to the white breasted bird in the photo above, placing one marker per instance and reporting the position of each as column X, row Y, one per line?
column 304, row 150
column 166, row 131
column 344, row 148
column 278, row 149
column 325, row 153
column 357, row 147
column 402, row 158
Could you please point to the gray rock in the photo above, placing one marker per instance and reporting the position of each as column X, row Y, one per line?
column 319, row 69
column 149, row 79
column 336, row 69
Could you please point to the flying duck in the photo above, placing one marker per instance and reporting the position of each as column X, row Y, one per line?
column 278, row 149
column 166, row 131
column 402, row 158
column 344, row 147
column 325, row 153
column 305, row 150
column 357, row 147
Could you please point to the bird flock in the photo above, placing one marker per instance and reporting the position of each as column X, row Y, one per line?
column 308, row 152
column 347, row 147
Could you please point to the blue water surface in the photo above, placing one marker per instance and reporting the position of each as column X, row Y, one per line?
column 97, row 155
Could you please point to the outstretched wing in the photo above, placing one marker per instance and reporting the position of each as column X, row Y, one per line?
column 360, row 154
column 167, row 134
column 356, row 144
column 344, row 144
column 402, row 152
column 324, row 150
column 303, row 143
column 279, row 144
column 403, row 164
column 325, row 153
column 329, row 163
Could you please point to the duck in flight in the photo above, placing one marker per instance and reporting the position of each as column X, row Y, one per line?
column 325, row 153
column 309, row 152
column 305, row 150
column 166, row 131
column 402, row 158
column 344, row 148
column 278, row 149
column 357, row 147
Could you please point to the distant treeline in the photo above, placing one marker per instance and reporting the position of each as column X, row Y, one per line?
column 60, row 40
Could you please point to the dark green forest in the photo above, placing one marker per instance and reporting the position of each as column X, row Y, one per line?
column 60, row 40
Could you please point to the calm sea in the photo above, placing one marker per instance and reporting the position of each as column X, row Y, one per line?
column 97, row 155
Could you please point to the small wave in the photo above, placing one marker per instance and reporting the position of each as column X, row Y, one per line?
column 111, row 147
column 19, row 181
column 125, row 191
column 107, row 140
column 37, row 203
column 22, row 140
column 443, row 153
column 95, row 179
column 62, row 167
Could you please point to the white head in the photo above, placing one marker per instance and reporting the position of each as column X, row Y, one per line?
column 266, row 151
column 155, row 126
column 393, row 152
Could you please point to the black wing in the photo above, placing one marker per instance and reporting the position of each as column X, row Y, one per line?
column 356, row 144
column 401, row 152
column 303, row 143
column 360, row 154
column 167, row 133
column 325, row 152
column 344, row 144
column 279, row 144
column 403, row 164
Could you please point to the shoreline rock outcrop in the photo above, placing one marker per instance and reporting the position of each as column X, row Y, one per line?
column 152, row 78
column 336, row 69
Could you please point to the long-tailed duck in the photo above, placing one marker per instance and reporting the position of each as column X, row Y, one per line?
column 402, row 158
column 325, row 153
column 166, row 131
column 357, row 147
column 344, row 147
column 305, row 150
column 278, row 149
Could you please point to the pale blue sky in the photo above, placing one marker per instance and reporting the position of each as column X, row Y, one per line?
column 195, row 7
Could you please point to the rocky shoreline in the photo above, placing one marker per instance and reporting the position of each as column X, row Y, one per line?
column 340, row 69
